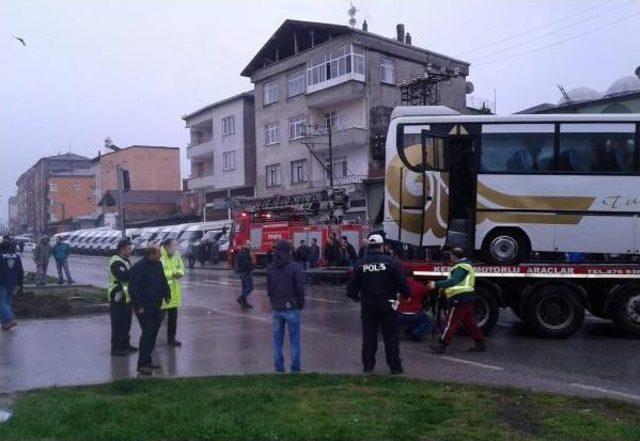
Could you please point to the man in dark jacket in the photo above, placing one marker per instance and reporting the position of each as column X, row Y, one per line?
column 285, row 288
column 148, row 286
column 243, row 267
column 11, row 276
column 375, row 282
column 314, row 255
column 349, row 255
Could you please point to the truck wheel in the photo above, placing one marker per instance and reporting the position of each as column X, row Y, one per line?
column 553, row 311
column 506, row 247
column 487, row 310
column 625, row 310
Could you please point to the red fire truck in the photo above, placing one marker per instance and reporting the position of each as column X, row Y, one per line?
column 262, row 228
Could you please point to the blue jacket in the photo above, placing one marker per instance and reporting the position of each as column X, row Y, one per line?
column 285, row 283
column 61, row 251
column 11, row 272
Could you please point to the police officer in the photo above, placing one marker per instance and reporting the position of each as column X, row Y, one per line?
column 375, row 282
column 459, row 292
column 119, row 300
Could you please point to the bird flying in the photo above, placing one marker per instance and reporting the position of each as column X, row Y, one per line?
column 19, row 39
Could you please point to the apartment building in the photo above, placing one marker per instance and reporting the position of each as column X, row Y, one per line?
column 310, row 77
column 36, row 190
column 222, row 153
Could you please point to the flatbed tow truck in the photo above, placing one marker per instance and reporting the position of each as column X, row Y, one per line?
column 550, row 298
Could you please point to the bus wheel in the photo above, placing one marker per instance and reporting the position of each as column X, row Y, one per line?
column 625, row 310
column 506, row 246
column 553, row 311
column 487, row 310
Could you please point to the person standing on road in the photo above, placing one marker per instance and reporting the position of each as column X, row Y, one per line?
column 149, row 288
column 119, row 300
column 459, row 291
column 41, row 255
column 303, row 253
column 11, row 276
column 314, row 254
column 285, row 288
column 375, row 282
column 243, row 267
column 173, row 271
column 349, row 255
column 214, row 251
column 411, row 314
column 191, row 254
column 61, row 251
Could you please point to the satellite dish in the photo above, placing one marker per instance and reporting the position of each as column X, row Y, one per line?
column 352, row 11
column 469, row 88
column 352, row 22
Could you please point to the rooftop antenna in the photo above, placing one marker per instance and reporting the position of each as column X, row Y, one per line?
column 352, row 14
column 564, row 93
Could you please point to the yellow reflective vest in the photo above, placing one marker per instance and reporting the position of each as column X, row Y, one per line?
column 173, row 271
column 467, row 285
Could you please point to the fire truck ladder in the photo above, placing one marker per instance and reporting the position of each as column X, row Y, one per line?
column 308, row 201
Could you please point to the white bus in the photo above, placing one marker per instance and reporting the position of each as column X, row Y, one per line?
column 510, row 185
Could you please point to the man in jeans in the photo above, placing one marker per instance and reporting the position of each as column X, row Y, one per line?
column 285, row 288
column 243, row 267
column 61, row 251
column 41, row 255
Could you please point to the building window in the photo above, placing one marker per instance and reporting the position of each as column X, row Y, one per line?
column 273, row 175
column 339, row 62
column 296, row 83
column 75, row 186
column 53, row 217
column 270, row 92
column 340, row 169
column 53, row 187
column 228, row 125
column 272, row 133
column 229, row 160
column 335, row 120
column 297, row 127
column 299, row 171
column 387, row 71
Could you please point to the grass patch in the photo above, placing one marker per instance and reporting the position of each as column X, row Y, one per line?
column 312, row 407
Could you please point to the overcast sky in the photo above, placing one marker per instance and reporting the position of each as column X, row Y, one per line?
column 129, row 69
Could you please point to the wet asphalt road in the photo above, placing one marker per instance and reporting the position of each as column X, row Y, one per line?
column 219, row 338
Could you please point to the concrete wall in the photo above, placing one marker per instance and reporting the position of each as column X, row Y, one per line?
column 74, row 197
column 150, row 168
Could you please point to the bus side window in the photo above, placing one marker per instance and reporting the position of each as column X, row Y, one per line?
column 599, row 148
column 517, row 148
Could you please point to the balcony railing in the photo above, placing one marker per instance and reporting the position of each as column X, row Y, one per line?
column 339, row 181
column 342, row 138
column 198, row 182
column 201, row 149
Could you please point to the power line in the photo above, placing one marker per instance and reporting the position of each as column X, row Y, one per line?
column 534, row 29
column 558, row 42
column 562, row 29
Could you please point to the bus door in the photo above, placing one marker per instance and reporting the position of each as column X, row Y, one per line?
column 461, row 165
column 417, row 187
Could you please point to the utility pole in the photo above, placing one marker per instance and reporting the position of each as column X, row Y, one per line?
column 119, row 172
column 329, row 130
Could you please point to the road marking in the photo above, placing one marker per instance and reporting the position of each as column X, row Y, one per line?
column 473, row 363
column 605, row 391
column 317, row 299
